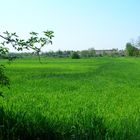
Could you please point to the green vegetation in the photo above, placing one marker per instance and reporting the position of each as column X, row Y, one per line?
column 75, row 55
column 131, row 50
column 96, row 98
column 4, row 80
column 34, row 43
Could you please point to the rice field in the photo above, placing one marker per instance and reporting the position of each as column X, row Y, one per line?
column 67, row 99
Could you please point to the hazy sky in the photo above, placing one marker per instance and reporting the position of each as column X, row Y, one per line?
column 77, row 24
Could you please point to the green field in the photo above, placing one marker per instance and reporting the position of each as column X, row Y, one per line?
column 83, row 99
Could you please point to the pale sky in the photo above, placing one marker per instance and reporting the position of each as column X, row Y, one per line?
column 77, row 24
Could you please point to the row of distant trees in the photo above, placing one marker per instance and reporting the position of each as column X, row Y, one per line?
column 131, row 49
column 66, row 54
column 70, row 53
column 91, row 52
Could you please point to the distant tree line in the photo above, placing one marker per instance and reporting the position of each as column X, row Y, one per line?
column 71, row 53
column 91, row 52
column 131, row 49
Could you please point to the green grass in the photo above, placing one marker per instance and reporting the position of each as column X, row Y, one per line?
column 83, row 99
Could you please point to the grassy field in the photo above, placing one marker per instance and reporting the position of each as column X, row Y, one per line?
column 85, row 99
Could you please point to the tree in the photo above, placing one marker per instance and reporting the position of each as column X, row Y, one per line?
column 34, row 43
column 92, row 52
column 88, row 53
column 131, row 50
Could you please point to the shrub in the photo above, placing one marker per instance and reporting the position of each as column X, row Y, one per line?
column 75, row 55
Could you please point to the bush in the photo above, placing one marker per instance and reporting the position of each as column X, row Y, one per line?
column 75, row 55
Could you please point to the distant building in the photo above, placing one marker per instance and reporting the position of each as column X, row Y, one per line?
column 111, row 51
